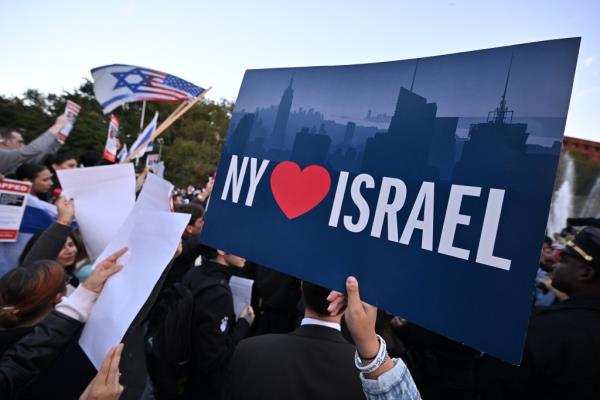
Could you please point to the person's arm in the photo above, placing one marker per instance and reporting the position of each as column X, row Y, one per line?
column 547, row 282
column 51, row 242
column 34, row 152
column 391, row 379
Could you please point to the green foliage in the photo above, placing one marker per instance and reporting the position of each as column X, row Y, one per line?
column 192, row 145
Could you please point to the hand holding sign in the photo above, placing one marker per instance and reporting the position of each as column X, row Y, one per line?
column 66, row 210
column 104, row 270
column 60, row 123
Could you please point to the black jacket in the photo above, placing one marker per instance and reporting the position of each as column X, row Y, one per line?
column 313, row 362
column 215, row 333
column 22, row 363
column 192, row 249
column 560, row 360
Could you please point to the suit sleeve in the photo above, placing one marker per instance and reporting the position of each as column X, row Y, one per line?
column 50, row 243
column 33, row 152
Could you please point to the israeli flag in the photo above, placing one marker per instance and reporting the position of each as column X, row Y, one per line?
column 38, row 216
column 142, row 139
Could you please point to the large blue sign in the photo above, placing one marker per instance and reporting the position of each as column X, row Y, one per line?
column 429, row 180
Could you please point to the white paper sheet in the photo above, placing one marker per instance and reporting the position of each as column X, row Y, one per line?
column 155, row 194
column 104, row 197
column 152, row 238
column 159, row 168
column 152, row 234
column 241, row 288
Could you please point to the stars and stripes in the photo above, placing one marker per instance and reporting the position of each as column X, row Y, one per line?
column 117, row 84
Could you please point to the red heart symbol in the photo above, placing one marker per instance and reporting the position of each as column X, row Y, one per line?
column 299, row 191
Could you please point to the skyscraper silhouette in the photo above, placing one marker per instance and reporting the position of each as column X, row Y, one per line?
column 510, row 165
column 241, row 134
column 310, row 148
column 349, row 134
column 406, row 145
column 277, row 139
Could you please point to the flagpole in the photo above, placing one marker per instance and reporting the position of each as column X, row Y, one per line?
column 175, row 115
column 143, row 115
column 176, row 111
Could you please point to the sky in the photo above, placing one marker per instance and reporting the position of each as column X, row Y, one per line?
column 51, row 46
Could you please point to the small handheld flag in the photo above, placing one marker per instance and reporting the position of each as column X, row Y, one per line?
column 122, row 154
column 117, row 84
column 142, row 139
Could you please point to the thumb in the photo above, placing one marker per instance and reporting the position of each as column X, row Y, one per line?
column 352, row 292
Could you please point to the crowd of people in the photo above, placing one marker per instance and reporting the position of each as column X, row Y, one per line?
column 296, row 340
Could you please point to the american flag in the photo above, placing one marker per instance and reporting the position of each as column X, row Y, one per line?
column 118, row 84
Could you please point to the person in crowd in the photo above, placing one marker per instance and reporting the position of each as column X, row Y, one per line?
column 275, row 296
column 177, row 198
column 14, row 152
column 545, row 293
column 57, row 162
column 203, row 195
column 560, row 359
column 312, row 362
column 90, row 158
column 56, row 243
column 27, row 296
column 386, row 378
column 214, row 329
column 191, row 246
column 217, row 330
column 60, row 161
column 39, row 176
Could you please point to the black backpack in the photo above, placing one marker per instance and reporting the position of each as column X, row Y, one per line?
column 168, row 339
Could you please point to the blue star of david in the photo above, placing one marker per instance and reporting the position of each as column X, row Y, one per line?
column 122, row 79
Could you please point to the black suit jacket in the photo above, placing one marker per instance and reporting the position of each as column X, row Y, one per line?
column 312, row 362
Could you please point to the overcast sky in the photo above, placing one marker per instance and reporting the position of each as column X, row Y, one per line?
column 51, row 46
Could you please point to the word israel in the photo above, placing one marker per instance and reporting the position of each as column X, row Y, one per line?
column 298, row 191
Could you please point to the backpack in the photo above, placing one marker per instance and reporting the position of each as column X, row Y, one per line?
column 168, row 339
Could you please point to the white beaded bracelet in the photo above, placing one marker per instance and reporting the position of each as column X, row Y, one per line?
column 374, row 363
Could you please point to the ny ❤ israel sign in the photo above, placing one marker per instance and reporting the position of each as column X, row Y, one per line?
column 429, row 180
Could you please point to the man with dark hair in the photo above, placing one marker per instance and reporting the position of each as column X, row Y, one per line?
column 14, row 152
column 191, row 246
column 312, row 362
column 560, row 360
column 275, row 296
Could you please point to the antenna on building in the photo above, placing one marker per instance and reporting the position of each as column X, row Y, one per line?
column 502, row 111
column 412, row 85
